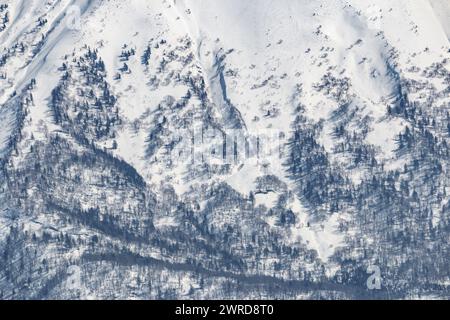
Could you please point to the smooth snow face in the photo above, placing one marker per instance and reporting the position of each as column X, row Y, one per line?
column 441, row 9
column 268, row 200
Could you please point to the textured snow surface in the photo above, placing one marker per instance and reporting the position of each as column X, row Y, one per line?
column 326, row 78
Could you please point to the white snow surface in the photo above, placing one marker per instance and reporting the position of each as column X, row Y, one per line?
column 271, row 47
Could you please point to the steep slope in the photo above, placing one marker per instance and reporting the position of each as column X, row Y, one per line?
column 442, row 11
column 211, row 149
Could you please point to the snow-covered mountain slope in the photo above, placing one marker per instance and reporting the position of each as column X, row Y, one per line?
column 216, row 148
column 441, row 9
